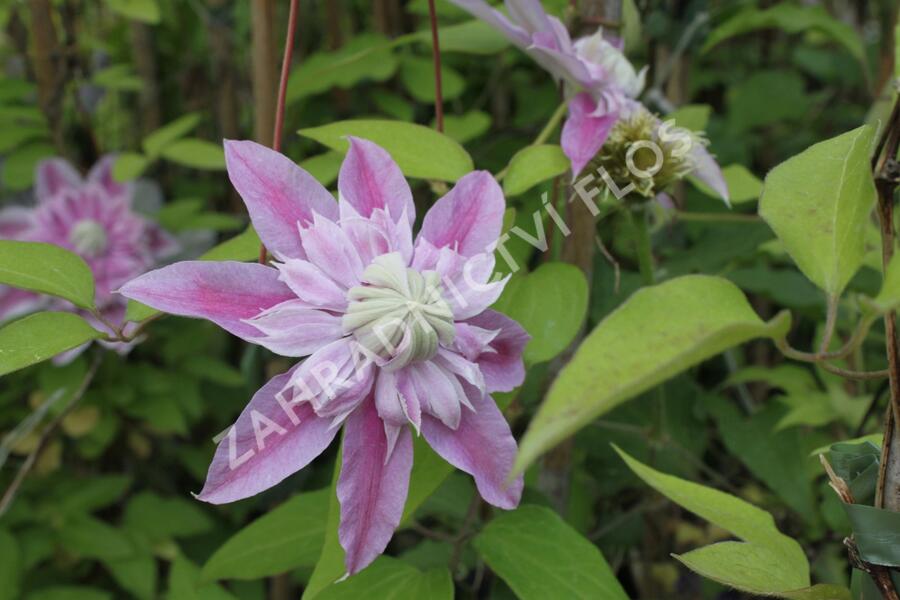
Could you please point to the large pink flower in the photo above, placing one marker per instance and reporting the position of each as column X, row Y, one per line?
column 91, row 217
column 397, row 333
column 600, row 81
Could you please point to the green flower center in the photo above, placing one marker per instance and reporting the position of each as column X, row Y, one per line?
column 88, row 237
column 400, row 316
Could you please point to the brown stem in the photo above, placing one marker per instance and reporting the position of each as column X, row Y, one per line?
column 48, row 67
column 282, row 91
column 143, row 51
column 436, row 53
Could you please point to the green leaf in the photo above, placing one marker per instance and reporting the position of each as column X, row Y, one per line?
column 540, row 556
column 68, row 592
column 877, row 533
column 323, row 167
column 767, row 562
column 130, row 165
column 658, row 332
column 283, row 539
column 47, row 269
column 195, row 153
column 10, row 566
column 137, row 574
column 819, row 203
column 156, row 141
column 551, row 304
column 417, row 76
column 790, row 18
column 185, row 583
column 242, row 247
column 118, row 78
column 420, row 151
column 888, row 297
column 532, row 165
column 365, row 57
column 473, row 37
column 13, row 137
column 92, row 538
column 92, row 494
column 160, row 518
column 691, row 116
column 146, row 11
column 469, row 126
column 743, row 186
column 18, row 168
column 40, row 336
column 391, row 578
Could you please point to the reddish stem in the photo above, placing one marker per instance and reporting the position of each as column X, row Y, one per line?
column 436, row 53
column 282, row 90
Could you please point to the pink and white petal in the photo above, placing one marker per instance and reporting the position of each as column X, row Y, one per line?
column 708, row 171
column 469, row 217
column 482, row 446
column 15, row 221
column 279, row 195
column 330, row 249
column 226, row 293
column 456, row 365
column 438, row 392
column 53, row 176
column 501, row 363
column 378, row 234
column 293, row 329
column 584, row 133
column 393, row 406
column 370, row 179
column 529, row 13
column 472, row 341
column 496, row 19
column 101, row 174
column 160, row 243
column 312, row 285
column 468, row 293
column 15, row 302
column 271, row 439
column 371, row 490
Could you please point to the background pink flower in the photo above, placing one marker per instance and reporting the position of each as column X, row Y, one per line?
column 93, row 218
column 397, row 332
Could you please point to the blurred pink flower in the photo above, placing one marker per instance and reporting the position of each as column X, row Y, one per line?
column 600, row 82
column 397, row 333
column 91, row 217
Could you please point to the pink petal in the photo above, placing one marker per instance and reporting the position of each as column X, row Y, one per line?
column 370, row 179
column 101, row 174
column 270, row 440
column 371, row 489
column 329, row 248
column 15, row 302
column 226, row 293
column 393, row 406
column 435, row 390
column 278, row 195
column 14, row 222
column 465, row 281
column 52, row 176
column 293, row 329
column 501, row 363
column 482, row 446
column 493, row 17
column 161, row 244
column 469, row 217
column 708, row 172
column 529, row 13
column 584, row 133
column 312, row 285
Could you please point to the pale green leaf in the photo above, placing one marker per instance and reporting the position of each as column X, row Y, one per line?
column 154, row 143
column 743, row 186
column 472, row 37
column 47, row 269
column 873, row 438
column 540, row 556
column 550, row 303
column 146, row 11
column 658, row 332
column 888, row 297
column 185, row 583
column 469, row 126
column 283, row 539
column 417, row 75
column 532, row 165
column 130, row 165
column 195, row 153
column 420, row 151
column 242, row 247
column 323, row 167
column 40, row 336
column 819, row 203
column 118, row 78
column 391, row 579
column 691, row 116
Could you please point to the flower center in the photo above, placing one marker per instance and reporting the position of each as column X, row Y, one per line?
column 88, row 237
column 400, row 317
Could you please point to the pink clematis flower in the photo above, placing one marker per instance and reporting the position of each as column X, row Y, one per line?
column 91, row 217
column 397, row 332
column 600, row 82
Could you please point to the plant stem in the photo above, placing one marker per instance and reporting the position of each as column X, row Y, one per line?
column 717, row 217
column 282, row 91
column 641, row 236
column 436, row 54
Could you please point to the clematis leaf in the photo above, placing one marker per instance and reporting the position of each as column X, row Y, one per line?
column 391, row 578
column 743, row 186
column 47, row 269
column 532, row 165
column 819, row 202
column 11, row 567
column 283, row 539
column 658, row 332
column 877, row 533
column 157, row 140
column 195, row 153
column 540, row 556
column 419, row 151
column 145, row 11
column 40, row 336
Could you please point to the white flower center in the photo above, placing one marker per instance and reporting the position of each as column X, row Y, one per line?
column 595, row 50
column 400, row 317
column 88, row 237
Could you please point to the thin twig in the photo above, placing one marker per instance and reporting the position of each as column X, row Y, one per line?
column 860, row 375
column 282, row 92
column 436, row 54
column 612, row 261
column 46, row 434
